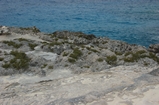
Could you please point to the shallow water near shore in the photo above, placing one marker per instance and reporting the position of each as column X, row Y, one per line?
column 133, row 21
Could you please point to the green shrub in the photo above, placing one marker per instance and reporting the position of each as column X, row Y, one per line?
column 32, row 46
column 118, row 53
column 141, row 52
column 145, row 63
column 104, row 42
column 86, row 66
column 91, row 49
column 35, row 30
column 135, row 56
column 71, row 60
column 128, row 53
column 76, row 54
column 11, row 43
column 6, row 65
column 100, row 60
column 44, row 65
column 65, row 54
column 154, row 57
column 111, row 59
column 55, row 43
column 66, row 65
column 50, row 67
column 1, row 59
column 22, row 39
column 20, row 61
column 89, row 52
column 129, row 59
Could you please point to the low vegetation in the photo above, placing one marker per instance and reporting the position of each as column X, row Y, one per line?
column 11, row 43
column 32, row 46
column 118, row 53
column 1, row 59
column 20, row 61
column 154, row 57
column 71, row 60
column 65, row 54
column 100, row 60
column 44, row 65
column 91, row 49
column 54, row 43
column 22, row 39
column 111, row 60
column 50, row 67
column 86, row 66
column 134, row 57
column 76, row 53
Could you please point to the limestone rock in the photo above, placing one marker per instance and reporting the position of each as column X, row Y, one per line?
column 155, row 72
column 4, row 30
column 154, row 48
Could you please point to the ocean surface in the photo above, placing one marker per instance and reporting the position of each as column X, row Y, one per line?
column 133, row 21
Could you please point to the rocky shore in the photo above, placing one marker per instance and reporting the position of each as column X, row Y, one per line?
column 72, row 68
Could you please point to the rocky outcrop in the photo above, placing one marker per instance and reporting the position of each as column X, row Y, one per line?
column 73, row 50
column 154, row 48
column 4, row 30
column 72, row 68
column 155, row 72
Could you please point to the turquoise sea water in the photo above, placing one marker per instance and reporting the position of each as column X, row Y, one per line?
column 133, row 21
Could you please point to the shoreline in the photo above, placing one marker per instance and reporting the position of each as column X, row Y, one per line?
column 72, row 68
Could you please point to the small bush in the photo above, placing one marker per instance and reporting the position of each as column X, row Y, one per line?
column 100, row 60
column 66, row 65
column 135, row 56
column 128, row 53
column 35, row 30
column 71, row 60
column 145, row 63
column 50, row 67
column 11, row 43
column 89, row 52
column 22, row 39
column 141, row 52
column 6, row 65
column 55, row 43
column 154, row 57
column 32, row 46
column 20, row 61
column 76, row 54
column 104, row 42
column 65, row 54
column 1, row 59
column 111, row 60
column 90, row 49
column 129, row 59
column 44, row 65
column 86, row 66
column 118, row 53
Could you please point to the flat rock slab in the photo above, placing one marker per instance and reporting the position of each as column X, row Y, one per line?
column 115, row 86
column 46, row 55
column 155, row 72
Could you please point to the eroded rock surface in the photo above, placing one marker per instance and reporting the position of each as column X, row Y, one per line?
column 123, row 84
column 72, row 68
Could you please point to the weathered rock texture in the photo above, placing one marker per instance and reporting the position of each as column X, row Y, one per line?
column 72, row 68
